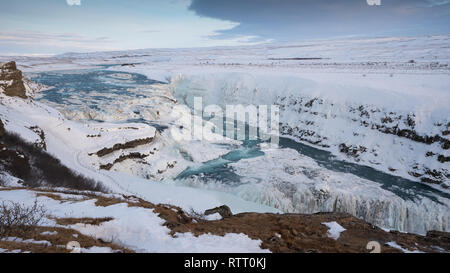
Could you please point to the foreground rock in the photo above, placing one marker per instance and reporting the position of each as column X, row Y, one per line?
column 302, row 233
column 279, row 233
column 11, row 80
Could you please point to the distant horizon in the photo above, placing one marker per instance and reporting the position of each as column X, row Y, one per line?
column 53, row 27
column 49, row 55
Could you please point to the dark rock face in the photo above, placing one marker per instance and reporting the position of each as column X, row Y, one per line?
column 36, row 168
column 127, row 145
column 11, row 80
column 311, row 110
column 123, row 158
column 352, row 150
column 2, row 129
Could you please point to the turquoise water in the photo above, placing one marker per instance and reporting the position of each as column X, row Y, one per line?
column 218, row 169
column 91, row 88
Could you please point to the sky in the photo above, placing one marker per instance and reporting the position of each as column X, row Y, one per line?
column 58, row 26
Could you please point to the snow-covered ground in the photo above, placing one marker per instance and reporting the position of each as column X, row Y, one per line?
column 379, row 102
column 384, row 98
column 71, row 142
column 146, row 234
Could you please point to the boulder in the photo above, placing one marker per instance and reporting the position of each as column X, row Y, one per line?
column 11, row 81
column 224, row 211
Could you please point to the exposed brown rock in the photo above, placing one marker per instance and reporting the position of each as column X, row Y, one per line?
column 303, row 233
column 123, row 158
column 11, row 80
column 439, row 235
column 127, row 145
column 86, row 221
column 224, row 211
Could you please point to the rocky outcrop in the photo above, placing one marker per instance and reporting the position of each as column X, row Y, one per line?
column 224, row 211
column 41, row 143
column 352, row 150
column 306, row 117
column 122, row 158
column 11, row 80
column 305, row 233
column 2, row 129
column 123, row 146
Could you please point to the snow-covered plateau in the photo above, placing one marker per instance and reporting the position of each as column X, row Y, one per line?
column 364, row 126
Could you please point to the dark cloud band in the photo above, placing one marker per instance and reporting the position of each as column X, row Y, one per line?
column 291, row 19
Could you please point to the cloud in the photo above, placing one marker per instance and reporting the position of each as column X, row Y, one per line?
column 73, row 2
column 297, row 19
column 56, row 40
column 432, row 3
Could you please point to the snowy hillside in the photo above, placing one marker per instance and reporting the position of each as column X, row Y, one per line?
column 380, row 103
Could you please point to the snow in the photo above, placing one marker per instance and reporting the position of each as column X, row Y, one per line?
column 7, row 180
column 373, row 73
column 333, row 121
column 334, row 230
column 27, row 241
column 395, row 245
column 440, row 249
column 6, row 83
column 73, row 148
column 49, row 233
column 188, row 197
column 96, row 249
column 212, row 217
column 376, row 73
column 366, row 53
column 293, row 183
column 132, row 227
column 42, row 242
column 137, row 228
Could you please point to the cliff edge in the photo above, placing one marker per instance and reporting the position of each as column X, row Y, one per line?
column 11, row 82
